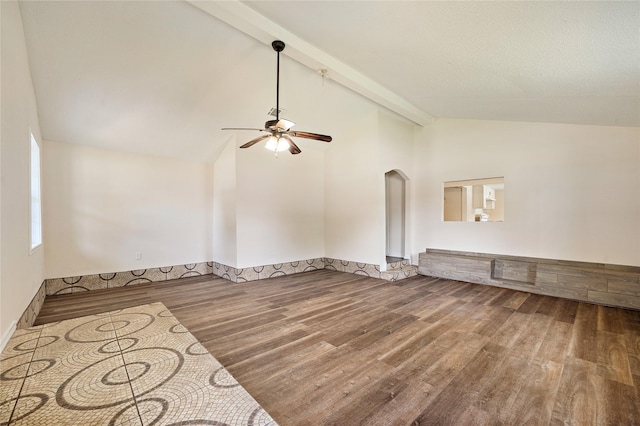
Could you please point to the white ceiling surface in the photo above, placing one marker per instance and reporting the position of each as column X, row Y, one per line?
column 164, row 77
column 568, row 62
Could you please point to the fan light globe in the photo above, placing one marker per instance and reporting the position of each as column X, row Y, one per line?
column 277, row 144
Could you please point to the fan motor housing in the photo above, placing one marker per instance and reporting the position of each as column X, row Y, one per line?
column 278, row 45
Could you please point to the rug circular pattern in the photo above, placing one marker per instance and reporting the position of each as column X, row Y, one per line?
column 82, row 391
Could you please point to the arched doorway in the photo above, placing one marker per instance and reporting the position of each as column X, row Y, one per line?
column 396, row 210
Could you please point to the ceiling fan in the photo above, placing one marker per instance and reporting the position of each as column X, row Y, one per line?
column 279, row 131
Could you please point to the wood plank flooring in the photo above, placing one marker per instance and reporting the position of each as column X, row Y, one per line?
column 330, row 348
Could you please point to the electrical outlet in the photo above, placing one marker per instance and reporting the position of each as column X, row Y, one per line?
column 138, row 255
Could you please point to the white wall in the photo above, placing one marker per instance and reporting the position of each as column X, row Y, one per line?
column 21, row 272
column 280, row 206
column 101, row 207
column 571, row 192
column 354, row 194
column 225, row 247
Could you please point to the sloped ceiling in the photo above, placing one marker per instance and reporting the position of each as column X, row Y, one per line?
column 164, row 77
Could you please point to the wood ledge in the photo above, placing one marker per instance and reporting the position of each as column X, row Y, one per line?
column 606, row 284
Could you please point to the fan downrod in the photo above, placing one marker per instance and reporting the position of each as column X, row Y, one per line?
column 278, row 45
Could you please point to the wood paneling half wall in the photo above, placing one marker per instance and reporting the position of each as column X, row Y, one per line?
column 614, row 285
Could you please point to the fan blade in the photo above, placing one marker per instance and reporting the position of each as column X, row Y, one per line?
column 254, row 141
column 308, row 135
column 293, row 148
column 243, row 128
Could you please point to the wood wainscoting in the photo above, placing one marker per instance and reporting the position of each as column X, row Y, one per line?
column 613, row 285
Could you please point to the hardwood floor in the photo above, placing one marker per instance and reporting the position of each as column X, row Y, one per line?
column 330, row 348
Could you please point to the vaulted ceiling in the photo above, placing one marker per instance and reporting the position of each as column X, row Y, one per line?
column 165, row 77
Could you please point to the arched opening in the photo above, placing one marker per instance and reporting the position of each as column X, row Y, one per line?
column 395, row 206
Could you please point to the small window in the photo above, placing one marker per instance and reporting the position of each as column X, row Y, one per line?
column 36, row 200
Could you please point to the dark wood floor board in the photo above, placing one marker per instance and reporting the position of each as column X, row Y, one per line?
column 613, row 358
column 580, row 398
column 259, row 346
column 531, row 338
column 584, row 339
column 377, row 320
column 392, row 298
column 437, row 307
column 336, row 318
column 362, row 289
column 399, row 409
column 556, row 343
column 419, row 282
column 567, row 310
column 429, row 303
column 303, row 311
column 493, row 318
column 588, row 314
column 514, row 301
column 467, row 290
column 330, row 348
column 407, row 348
column 229, row 313
column 420, row 363
column 454, row 358
column 294, row 296
column 440, row 285
column 488, row 294
column 499, row 392
column 632, row 341
column 348, row 385
column 532, row 304
column 610, row 320
column 510, row 332
column 375, row 338
column 212, row 330
column 372, row 399
column 447, row 287
column 469, row 317
column 252, row 336
column 417, row 297
column 333, row 371
column 390, row 342
column 263, row 367
column 446, row 406
column 86, row 304
column 622, row 403
column 533, row 403
column 631, row 319
column 451, row 404
column 548, row 306
column 359, row 326
column 501, row 298
column 201, row 300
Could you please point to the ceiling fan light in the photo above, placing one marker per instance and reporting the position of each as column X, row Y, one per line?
column 282, row 145
column 277, row 144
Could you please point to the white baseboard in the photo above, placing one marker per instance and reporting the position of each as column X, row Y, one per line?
column 7, row 335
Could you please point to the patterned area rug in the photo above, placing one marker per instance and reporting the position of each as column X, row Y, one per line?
column 136, row 366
